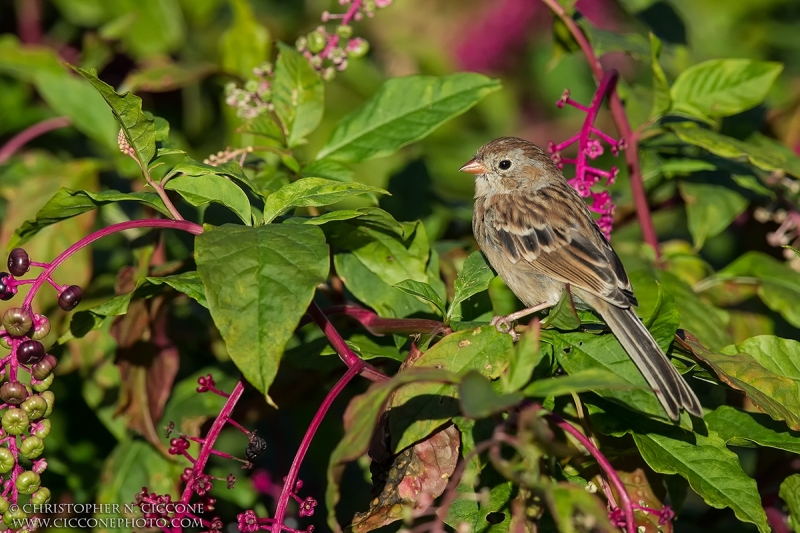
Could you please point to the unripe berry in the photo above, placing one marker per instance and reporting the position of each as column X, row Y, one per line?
column 4, row 504
column 345, row 32
column 5, row 342
column 7, row 461
column 18, row 262
column 35, row 407
column 17, row 321
column 357, row 48
column 41, row 327
column 13, row 392
column 50, row 398
column 30, row 352
column 44, row 368
column 41, row 496
column 14, row 421
column 70, row 298
column 14, row 515
column 42, row 428
column 28, row 482
column 43, row 385
column 32, row 447
column 316, row 42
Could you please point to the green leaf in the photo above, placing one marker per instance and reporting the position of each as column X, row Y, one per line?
column 586, row 380
column 790, row 493
column 475, row 276
column 189, row 283
column 563, row 315
column 67, row 204
column 189, row 167
column 360, row 421
column 474, row 511
column 723, row 87
column 566, row 501
column 188, row 409
column 711, row 469
column 245, row 45
column 418, row 409
column 779, row 285
column 25, row 62
column 661, row 97
column 329, row 169
column 138, row 129
column 524, row 359
column 404, row 110
column 312, row 192
column 298, row 94
column 422, row 290
column 763, row 154
column 207, row 188
column 78, row 100
column 775, row 393
column 479, row 399
column 710, row 209
column 740, row 428
column 259, row 282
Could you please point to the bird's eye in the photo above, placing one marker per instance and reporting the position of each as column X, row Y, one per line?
column 505, row 164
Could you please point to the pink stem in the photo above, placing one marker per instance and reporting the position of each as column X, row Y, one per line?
column 347, row 355
column 211, row 438
column 291, row 477
column 346, row 19
column 606, row 86
column 623, row 126
column 625, row 498
column 31, row 132
column 184, row 225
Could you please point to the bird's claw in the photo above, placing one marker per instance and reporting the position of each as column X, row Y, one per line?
column 504, row 325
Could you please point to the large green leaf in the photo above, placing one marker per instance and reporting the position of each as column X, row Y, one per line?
column 418, row 409
column 67, row 204
column 711, row 469
column 479, row 399
column 424, row 291
column 773, row 392
column 404, row 110
column 298, row 94
column 73, row 97
column 474, row 277
column 245, row 45
column 790, row 493
column 313, row 192
column 723, row 87
column 259, row 282
column 138, row 129
column 207, row 188
column 662, row 100
column 765, row 154
column 778, row 287
column 590, row 379
column 710, row 209
column 740, row 428
column 360, row 421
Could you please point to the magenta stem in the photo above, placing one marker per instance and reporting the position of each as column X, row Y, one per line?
column 623, row 126
column 291, row 477
column 346, row 19
column 211, row 438
column 347, row 355
column 625, row 498
column 606, row 86
column 28, row 134
column 183, row 225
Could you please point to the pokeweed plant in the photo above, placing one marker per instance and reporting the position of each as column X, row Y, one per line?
column 463, row 427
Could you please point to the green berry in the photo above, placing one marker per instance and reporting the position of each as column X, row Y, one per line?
column 50, row 398
column 35, row 407
column 316, row 42
column 44, row 384
column 345, row 32
column 13, row 515
column 32, row 447
column 28, row 482
column 17, row 321
column 43, row 429
column 41, row 328
column 7, row 461
column 41, row 496
column 4, row 504
column 15, row 421
column 357, row 48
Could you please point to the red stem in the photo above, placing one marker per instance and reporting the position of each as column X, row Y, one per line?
column 606, row 86
column 348, row 17
column 211, row 439
column 184, row 225
column 623, row 126
column 28, row 134
column 291, row 477
column 625, row 498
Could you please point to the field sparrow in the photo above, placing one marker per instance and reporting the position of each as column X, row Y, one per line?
column 540, row 237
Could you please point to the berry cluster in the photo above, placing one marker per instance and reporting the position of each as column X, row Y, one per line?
column 587, row 176
column 26, row 402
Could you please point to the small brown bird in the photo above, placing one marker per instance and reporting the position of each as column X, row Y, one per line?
column 540, row 237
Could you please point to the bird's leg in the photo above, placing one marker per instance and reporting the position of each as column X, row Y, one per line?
column 504, row 323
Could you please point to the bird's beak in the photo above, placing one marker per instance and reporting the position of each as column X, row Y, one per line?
column 473, row 167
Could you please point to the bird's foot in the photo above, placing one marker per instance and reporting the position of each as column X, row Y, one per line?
column 504, row 325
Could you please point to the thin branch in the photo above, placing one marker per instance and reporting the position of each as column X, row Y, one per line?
column 28, row 134
column 623, row 126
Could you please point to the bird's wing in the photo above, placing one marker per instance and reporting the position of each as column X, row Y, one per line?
column 553, row 230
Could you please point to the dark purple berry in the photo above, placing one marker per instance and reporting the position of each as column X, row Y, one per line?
column 6, row 292
column 17, row 321
column 43, row 368
column 13, row 392
column 18, row 262
column 70, row 298
column 30, row 352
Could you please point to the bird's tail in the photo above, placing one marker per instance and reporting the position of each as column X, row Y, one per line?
column 669, row 386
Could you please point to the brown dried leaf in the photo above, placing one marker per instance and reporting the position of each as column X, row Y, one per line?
column 644, row 488
column 412, row 480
